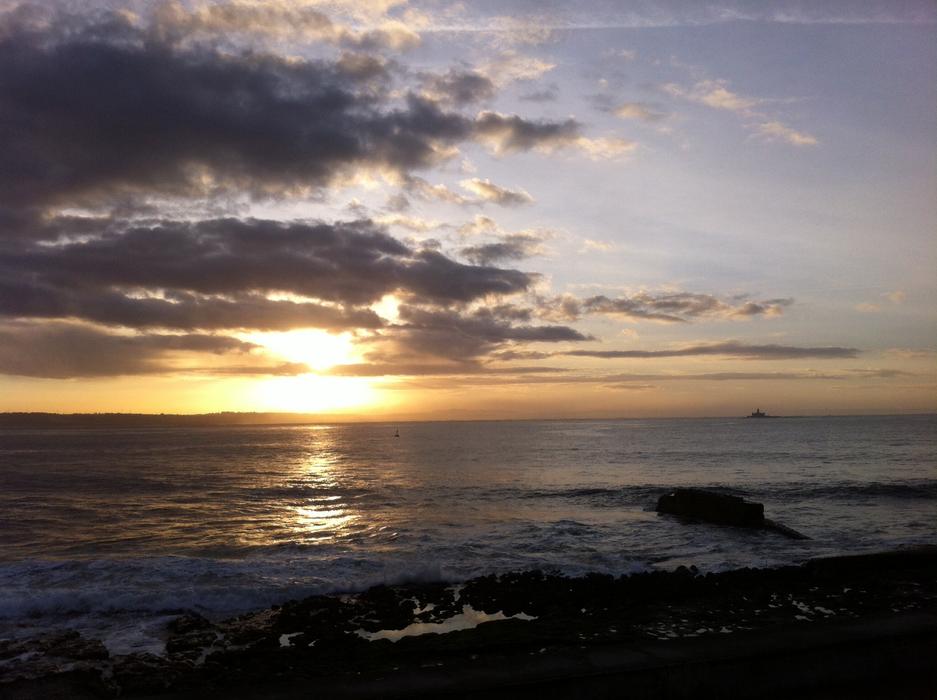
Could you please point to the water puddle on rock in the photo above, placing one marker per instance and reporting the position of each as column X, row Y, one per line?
column 469, row 618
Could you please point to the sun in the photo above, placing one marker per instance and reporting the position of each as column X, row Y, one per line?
column 317, row 349
column 311, row 392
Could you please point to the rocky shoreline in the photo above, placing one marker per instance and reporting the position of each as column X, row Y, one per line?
column 440, row 638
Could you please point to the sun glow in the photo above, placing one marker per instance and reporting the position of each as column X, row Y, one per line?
column 318, row 349
column 310, row 393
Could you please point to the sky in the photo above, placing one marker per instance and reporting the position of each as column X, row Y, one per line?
column 468, row 210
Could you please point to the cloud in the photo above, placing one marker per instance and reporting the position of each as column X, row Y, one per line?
column 717, row 95
column 411, row 223
column 510, row 134
column 277, row 20
column 725, row 349
column 108, row 112
column 896, row 297
column 397, row 202
column 775, row 130
column 639, row 111
column 487, row 191
column 511, row 66
column 457, row 336
column 668, row 307
column 446, row 369
column 421, row 189
column 602, row 246
column 449, row 376
column 479, row 225
column 551, row 93
column 515, row 246
column 181, row 311
column 221, row 274
column 61, row 351
column 509, row 355
column 603, row 148
column 458, row 87
column 912, row 353
column 543, row 18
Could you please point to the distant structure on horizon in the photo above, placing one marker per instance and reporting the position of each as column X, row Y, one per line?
column 758, row 413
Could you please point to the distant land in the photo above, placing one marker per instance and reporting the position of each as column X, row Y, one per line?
column 137, row 420
column 39, row 420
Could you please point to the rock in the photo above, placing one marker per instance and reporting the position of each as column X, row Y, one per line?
column 719, row 508
column 67, row 644
column 383, row 608
column 188, row 622
column 192, row 642
column 144, row 673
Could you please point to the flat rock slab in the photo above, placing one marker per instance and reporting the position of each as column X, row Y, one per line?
column 721, row 509
column 712, row 507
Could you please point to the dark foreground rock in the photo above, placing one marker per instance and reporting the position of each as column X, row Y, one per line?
column 867, row 621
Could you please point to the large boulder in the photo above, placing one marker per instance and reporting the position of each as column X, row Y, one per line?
column 712, row 507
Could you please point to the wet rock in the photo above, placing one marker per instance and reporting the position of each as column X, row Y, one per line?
column 73, row 646
column 65, row 645
column 246, row 630
column 384, row 608
column 190, row 635
column 316, row 616
column 76, row 684
column 192, row 642
column 719, row 508
column 187, row 623
column 146, row 673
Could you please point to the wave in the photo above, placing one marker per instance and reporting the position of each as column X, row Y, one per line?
column 922, row 489
column 644, row 494
column 163, row 585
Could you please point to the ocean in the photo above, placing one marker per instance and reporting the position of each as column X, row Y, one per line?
column 114, row 531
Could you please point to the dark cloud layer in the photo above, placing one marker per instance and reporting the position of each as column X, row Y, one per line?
column 106, row 110
column 63, row 351
column 511, row 133
column 459, row 87
column 515, row 246
column 438, row 369
column 728, row 349
column 668, row 307
column 443, row 377
column 456, row 336
column 215, row 274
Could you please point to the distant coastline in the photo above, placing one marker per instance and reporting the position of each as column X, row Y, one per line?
column 145, row 420
column 49, row 420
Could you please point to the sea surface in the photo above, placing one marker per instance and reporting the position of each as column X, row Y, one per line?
column 113, row 531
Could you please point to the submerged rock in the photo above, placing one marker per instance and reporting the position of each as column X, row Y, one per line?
column 721, row 509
